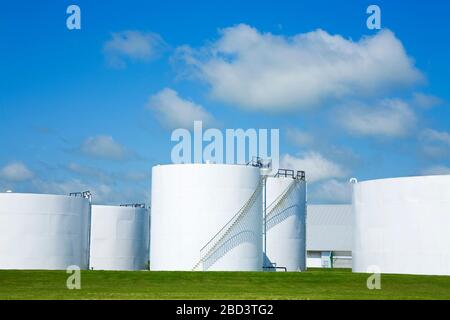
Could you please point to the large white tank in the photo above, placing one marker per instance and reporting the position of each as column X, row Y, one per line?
column 119, row 238
column 39, row 231
column 402, row 225
column 206, row 217
column 286, row 223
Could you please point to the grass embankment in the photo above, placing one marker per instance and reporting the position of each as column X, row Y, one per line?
column 313, row 284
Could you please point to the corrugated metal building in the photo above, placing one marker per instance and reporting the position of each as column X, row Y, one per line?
column 329, row 236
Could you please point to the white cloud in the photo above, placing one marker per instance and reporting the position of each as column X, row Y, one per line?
column 137, row 176
column 299, row 137
column 387, row 118
column 100, row 175
column 90, row 172
column 434, row 144
column 104, row 147
column 434, row 136
column 425, row 101
column 16, row 172
column 132, row 45
column 263, row 71
column 435, row 151
column 60, row 187
column 333, row 191
column 436, row 170
column 172, row 111
column 315, row 165
column 101, row 193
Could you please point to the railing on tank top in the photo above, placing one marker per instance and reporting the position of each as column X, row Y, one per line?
column 291, row 173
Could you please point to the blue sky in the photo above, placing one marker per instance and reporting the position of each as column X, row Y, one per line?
column 94, row 108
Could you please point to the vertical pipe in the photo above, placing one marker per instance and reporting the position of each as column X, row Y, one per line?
column 305, row 230
column 265, row 220
column 88, row 260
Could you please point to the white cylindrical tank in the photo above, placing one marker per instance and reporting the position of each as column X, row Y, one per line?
column 286, row 223
column 401, row 225
column 39, row 231
column 206, row 217
column 119, row 238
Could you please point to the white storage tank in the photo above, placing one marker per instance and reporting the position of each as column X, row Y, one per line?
column 206, row 217
column 286, row 221
column 119, row 237
column 40, row 231
column 401, row 225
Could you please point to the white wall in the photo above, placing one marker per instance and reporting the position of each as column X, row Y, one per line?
column 321, row 259
column 40, row 231
column 119, row 238
column 329, row 227
column 402, row 225
column 314, row 259
column 191, row 203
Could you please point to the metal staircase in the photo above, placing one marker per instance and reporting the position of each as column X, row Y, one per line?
column 279, row 210
column 282, row 202
column 231, row 230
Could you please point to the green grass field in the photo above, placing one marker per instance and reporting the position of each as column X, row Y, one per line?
column 313, row 284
